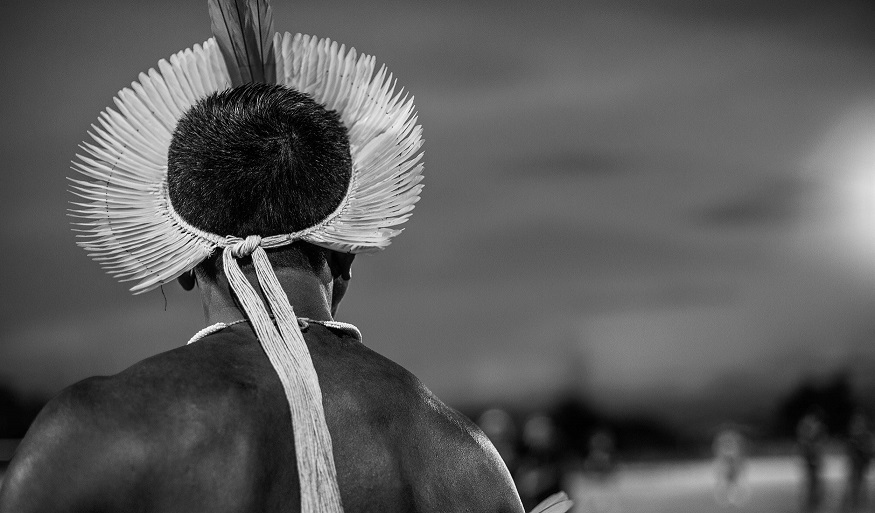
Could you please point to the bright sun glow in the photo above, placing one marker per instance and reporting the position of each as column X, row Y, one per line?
column 846, row 160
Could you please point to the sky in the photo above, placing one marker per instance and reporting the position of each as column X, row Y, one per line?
column 653, row 205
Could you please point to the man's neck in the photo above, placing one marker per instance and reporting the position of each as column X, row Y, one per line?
column 309, row 296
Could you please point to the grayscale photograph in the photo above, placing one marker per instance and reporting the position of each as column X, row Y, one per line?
column 596, row 256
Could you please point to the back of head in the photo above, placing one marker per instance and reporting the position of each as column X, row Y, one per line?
column 259, row 159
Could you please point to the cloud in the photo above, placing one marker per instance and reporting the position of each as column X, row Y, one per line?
column 831, row 17
column 777, row 201
column 576, row 163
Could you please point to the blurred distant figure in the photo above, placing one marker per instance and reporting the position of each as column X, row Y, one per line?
column 597, row 490
column 811, row 437
column 730, row 460
column 860, row 446
column 539, row 474
column 501, row 430
column 600, row 462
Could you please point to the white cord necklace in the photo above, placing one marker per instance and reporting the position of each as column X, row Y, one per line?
column 302, row 322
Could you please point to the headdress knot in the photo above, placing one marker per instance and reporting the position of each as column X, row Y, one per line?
column 243, row 247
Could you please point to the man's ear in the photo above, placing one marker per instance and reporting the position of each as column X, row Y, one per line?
column 341, row 265
column 341, row 273
column 187, row 280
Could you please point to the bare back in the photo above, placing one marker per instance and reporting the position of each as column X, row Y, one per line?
column 206, row 427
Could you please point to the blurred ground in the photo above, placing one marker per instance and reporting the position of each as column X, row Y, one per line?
column 775, row 484
column 688, row 487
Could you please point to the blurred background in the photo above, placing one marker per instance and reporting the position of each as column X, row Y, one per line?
column 647, row 235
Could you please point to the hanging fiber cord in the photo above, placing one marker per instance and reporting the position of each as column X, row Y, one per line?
column 288, row 353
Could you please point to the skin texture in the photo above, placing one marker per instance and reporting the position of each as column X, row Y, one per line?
column 206, row 427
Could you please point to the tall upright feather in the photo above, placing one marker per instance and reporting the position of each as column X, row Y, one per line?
column 244, row 31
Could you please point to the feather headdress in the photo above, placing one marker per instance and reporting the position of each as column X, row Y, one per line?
column 127, row 222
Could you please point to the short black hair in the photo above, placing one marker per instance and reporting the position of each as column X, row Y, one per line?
column 258, row 159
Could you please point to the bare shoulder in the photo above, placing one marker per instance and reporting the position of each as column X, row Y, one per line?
column 464, row 469
column 109, row 443
column 69, row 451
column 449, row 463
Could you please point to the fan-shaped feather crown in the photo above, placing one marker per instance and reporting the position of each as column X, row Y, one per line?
column 126, row 220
